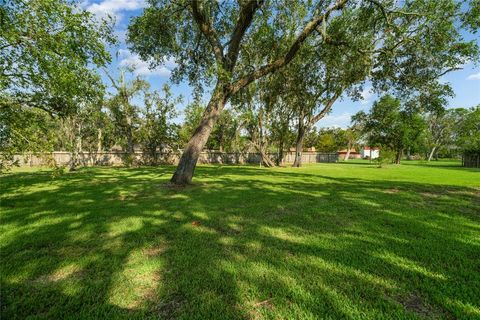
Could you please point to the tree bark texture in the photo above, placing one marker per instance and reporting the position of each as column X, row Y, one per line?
column 299, row 144
column 430, row 156
column 186, row 167
column 398, row 158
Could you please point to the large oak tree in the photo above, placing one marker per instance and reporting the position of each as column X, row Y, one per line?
column 224, row 46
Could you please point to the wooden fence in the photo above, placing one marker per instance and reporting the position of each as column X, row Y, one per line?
column 471, row 160
column 118, row 158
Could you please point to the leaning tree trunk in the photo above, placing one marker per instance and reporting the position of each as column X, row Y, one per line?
column 265, row 159
column 430, row 156
column 186, row 166
column 399, row 156
column 348, row 153
column 299, row 144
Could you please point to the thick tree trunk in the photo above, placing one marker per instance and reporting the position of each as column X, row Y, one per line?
column 186, row 167
column 430, row 156
column 299, row 144
column 280, row 153
column 398, row 158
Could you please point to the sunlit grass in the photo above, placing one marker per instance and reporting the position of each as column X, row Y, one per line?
column 333, row 241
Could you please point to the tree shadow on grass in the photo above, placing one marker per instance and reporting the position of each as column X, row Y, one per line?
column 244, row 243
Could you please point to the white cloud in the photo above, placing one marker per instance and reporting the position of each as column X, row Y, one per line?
column 335, row 121
column 114, row 8
column 121, row 35
column 475, row 76
column 141, row 67
column 366, row 95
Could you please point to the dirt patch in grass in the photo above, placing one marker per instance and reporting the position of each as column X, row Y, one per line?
column 430, row 194
column 154, row 251
column 417, row 304
column 168, row 307
column 475, row 192
column 255, row 312
column 228, row 230
column 392, row 191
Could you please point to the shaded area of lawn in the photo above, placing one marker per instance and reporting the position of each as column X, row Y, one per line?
column 326, row 241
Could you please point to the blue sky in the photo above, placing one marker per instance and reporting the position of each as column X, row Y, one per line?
column 465, row 82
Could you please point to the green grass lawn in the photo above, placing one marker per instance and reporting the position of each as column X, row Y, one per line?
column 327, row 241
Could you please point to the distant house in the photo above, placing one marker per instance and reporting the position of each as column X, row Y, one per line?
column 353, row 154
column 370, row 153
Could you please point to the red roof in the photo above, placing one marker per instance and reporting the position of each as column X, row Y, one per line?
column 352, row 151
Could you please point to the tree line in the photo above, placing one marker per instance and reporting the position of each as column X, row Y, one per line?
column 280, row 67
column 150, row 127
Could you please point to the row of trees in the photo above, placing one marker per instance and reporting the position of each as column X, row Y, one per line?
column 402, row 128
column 119, row 123
column 277, row 64
column 318, row 51
column 115, row 122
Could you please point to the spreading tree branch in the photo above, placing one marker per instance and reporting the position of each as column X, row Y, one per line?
column 294, row 48
column 206, row 27
column 327, row 108
column 245, row 17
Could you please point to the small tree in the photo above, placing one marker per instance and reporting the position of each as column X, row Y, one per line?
column 351, row 136
column 391, row 126
column 24, row 130
column 157, row 133
column 125, row 114
column 256, row 120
